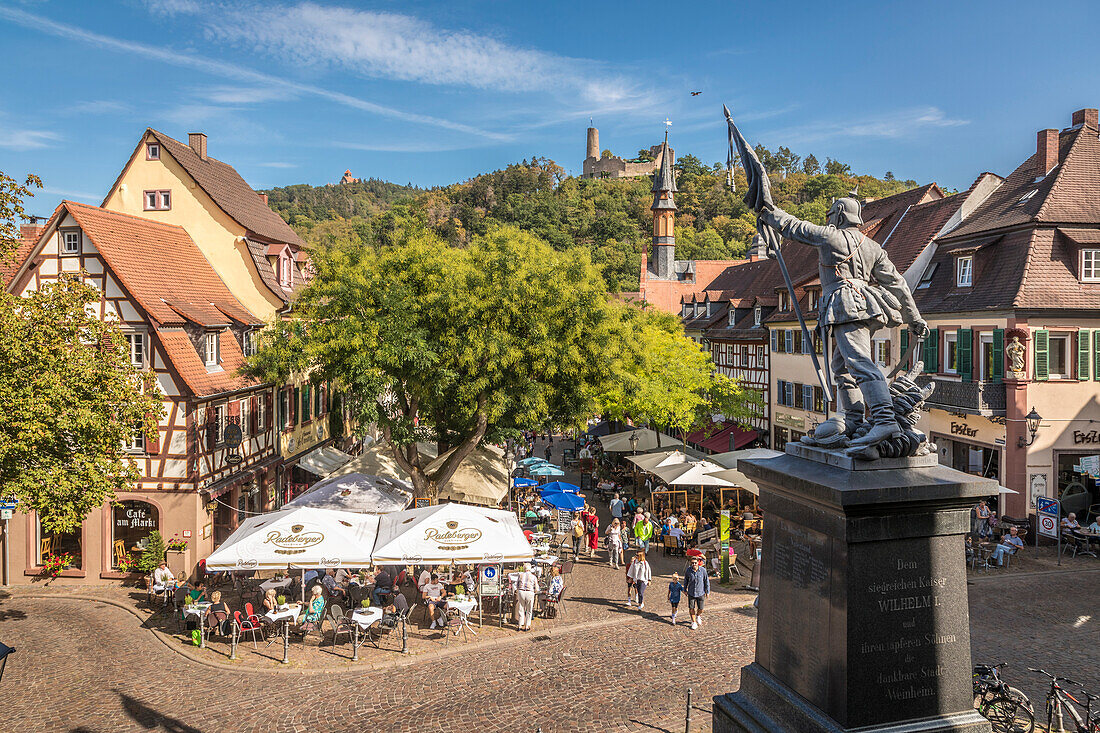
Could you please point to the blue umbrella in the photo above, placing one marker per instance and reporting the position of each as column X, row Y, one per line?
column 524, row 482
column 532, row 459
column 561, row 486
column 568, row 502
column 547, row 469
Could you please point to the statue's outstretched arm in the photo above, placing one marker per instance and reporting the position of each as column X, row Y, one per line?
column 794, row 228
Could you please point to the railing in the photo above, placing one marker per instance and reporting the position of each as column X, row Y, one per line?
column 975, row 398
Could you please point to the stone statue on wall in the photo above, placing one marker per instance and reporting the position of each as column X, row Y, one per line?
column 1015, row 352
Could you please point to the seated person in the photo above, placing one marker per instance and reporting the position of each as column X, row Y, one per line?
column 383, row 585
column 434, row 594
column 556, row 582
column 270, row 602
column 315, row 609
column 398, row 606
column 163, row 577
column 1010, row 543
column 1070, row 523
column 677, row 533
column 1095, row 526
column 214, row 613
column 424, row 578
column 328, row 580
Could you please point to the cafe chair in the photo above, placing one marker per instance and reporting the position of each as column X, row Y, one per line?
column 1077, row 542
column 557, row 602
column 567, row 567
column 341, row 623
column 245, row 625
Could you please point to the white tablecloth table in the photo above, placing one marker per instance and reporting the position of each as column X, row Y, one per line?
column 367, row 616
column 546, row 559
column 273, row 583
column 285, row 617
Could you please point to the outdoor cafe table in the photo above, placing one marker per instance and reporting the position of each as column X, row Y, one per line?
column 546, row 559
column 199, row 611
column 284, row 617
column 1090, row 537
column 364, row 618
column 464, row 607
column 541, row 548
column 273, row 583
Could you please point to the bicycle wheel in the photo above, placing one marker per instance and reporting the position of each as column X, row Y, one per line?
column 1018, row 694
column 1006, row 715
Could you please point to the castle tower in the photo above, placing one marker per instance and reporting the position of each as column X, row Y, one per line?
column 663, row 254
column 593, row 143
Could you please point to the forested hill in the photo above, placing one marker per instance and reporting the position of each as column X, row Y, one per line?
column 610, row 217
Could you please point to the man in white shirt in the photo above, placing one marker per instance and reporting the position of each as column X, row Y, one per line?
column 433, row 594
column 163, row 580
column 526, row 587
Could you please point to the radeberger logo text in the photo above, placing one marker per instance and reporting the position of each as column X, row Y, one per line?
column 452, row 536
column 297, row 541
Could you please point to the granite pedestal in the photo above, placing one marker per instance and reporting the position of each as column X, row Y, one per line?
column 863, row 620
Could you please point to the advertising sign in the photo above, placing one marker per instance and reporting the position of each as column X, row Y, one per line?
column 724, row 538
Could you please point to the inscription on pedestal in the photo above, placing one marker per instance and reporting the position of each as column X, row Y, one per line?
column 907, row 613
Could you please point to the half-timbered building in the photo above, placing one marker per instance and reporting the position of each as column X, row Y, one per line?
column 189, row 332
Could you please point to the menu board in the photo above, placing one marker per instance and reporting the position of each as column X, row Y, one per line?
column 565, row 520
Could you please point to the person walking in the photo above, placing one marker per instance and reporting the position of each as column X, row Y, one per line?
column 674, row 591
column 641, row 572
column 643, row 532
column 697, row 585
column 592, row 525
column 614, row 544
column 526, row 585
column 577, row 530
column 616, row 507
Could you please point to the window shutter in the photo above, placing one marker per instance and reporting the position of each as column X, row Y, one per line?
column 997, row 368
column 932, row 351
column 293, row 395
column 904, row 343
column 965, row 345
column 268, row 416
column 1096, row 358
column 788, row 340
column 808, row 397
column 1083, row 353
column 775, row 341
column 789, row 388
column 211, row 428
column 253, row 416
column 1041, row 345
column 152, row 447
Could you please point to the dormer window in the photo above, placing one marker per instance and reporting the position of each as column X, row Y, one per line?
column 286, row 271
column 756, row 315
column 1090, row 265
column 926, row 278
column 136, row 344
column 964, row 271
column 152, row 151
column 248, row 343
column 70, row 242
column 733, row 316
column 812, row 297
column 784, row 301
column 210, row 352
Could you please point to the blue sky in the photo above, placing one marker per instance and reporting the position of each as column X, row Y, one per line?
column 431, row 93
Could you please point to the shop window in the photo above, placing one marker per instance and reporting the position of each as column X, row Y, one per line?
column 781, row 438
column 54, row 544
column 131, row 523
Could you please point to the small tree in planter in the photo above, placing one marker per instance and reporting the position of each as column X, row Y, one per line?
column 153, row 554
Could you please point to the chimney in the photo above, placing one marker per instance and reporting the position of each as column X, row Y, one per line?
column 31, row 232
column 593, row 143
column 1086, row 117
column 197, row 141
column 263, row 197
column 1046, row 149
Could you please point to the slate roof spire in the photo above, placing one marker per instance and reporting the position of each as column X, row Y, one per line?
column 664, row 181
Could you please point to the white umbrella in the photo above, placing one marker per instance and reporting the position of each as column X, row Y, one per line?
column 1006, row 490
column 450, row 533
column 357, row 492
column 646, row 441
column 733, row 474
column 692, row 474
column 650, row 461
column 300, row 537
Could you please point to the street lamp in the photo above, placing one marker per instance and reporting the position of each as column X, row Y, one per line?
column 1033, row 419
column 634, row 452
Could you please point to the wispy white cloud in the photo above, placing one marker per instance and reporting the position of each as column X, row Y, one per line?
column 231, row 71
column 395, row 46
column 900, row 124
column 23, row 139
column 410, row 147
column 277, row 164
column 71, row 194
column 246, row 95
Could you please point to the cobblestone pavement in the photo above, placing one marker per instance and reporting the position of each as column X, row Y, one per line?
column 92, row 668
column 1049, row 621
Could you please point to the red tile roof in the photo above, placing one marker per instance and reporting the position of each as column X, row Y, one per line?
column 230, row 192
column 161, row 268
column 185, row 359
column 10, row 263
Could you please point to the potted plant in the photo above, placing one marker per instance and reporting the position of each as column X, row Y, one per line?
column 54, row 563
column 153, row 554
column 281, row 600
column 176, row 544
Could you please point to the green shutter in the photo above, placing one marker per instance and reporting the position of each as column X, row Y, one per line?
column 1083, row 354
column 297, row 404
column 1042, row 354
column 932, row 351
column 997, row 368
column 904, row 345
column 965, row 346
column 1096, row 358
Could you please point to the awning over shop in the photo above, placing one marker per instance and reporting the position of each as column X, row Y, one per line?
column 323, row 461
column 728, row 436
column 645, row 440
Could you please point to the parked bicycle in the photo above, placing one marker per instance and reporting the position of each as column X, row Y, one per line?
column 1007, row 709
column 1059, row 702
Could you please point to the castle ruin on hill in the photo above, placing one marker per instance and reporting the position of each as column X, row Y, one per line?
column 612, row 166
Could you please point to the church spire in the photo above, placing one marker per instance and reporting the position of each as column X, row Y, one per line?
column 663, row 253
column 664, row 182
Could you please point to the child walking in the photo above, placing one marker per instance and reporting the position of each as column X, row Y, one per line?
column 674, row 591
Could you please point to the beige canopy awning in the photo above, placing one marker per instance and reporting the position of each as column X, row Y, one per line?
column 732, row 474
column 699, row 473
column 646, row 441
column 650, row 461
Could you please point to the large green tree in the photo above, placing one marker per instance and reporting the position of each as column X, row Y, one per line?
column 70, row 398
column 449, row 344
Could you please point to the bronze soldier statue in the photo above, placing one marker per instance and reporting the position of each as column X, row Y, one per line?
column 861, row 292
